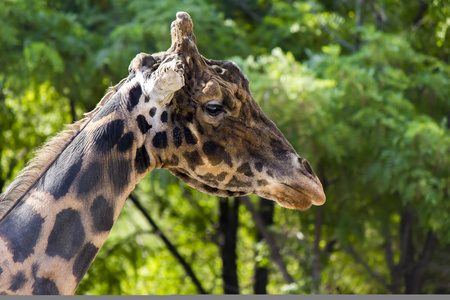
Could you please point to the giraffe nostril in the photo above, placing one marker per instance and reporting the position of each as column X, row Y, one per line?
column 303, row 162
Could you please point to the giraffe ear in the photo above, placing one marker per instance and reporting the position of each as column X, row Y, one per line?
column 162, row 81
column 143, row 62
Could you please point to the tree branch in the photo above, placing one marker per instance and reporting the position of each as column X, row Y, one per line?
column 198, row 208
column 2, row 181
column 409, row 266
column 275, row 251
column 403, row 240
column 378, row 14
column 73, row 114
column 72, row 109
column 388, row 248
column 388, row 251
column 439, row 267
column 427, row 250
column 360, row 4
column 338, row 39
column 116, row 246
column 418, row 19
column 168, row 244
column 372, row 273
column 424, row 259
column 244, row 6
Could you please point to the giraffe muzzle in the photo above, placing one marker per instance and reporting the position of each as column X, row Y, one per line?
column 298, row 189
column 297, row 196
column 311, row 186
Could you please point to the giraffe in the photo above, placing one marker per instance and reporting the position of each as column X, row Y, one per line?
column 176, row 110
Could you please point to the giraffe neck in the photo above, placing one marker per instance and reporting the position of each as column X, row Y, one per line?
column 52, row 235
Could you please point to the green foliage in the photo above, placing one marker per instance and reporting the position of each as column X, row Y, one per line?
column 360, row 90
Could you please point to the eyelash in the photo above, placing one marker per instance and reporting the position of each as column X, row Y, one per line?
column 214, row 109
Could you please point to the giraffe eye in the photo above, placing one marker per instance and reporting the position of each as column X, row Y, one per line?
column 214, row 109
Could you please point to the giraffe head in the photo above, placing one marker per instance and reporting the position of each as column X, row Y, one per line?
column 208, row 130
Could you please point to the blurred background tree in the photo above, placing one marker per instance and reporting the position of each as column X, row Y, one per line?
column 359, row 87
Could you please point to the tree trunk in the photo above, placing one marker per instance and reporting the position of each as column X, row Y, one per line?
column 266, row 210
column 408, row 248
column 228, row 225
column 424, row 260
column 410, row 268
column 316, row 264
column 275, row 251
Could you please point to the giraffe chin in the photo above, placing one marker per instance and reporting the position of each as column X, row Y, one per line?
column 288, row 196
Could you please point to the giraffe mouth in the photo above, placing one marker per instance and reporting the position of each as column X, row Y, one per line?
column 292, row 196
column 316, row 196
column 296, row 197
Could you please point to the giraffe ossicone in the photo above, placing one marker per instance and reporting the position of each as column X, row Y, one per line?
column 176, row 110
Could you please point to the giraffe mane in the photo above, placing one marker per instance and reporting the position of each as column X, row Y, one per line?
column 46, row 155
